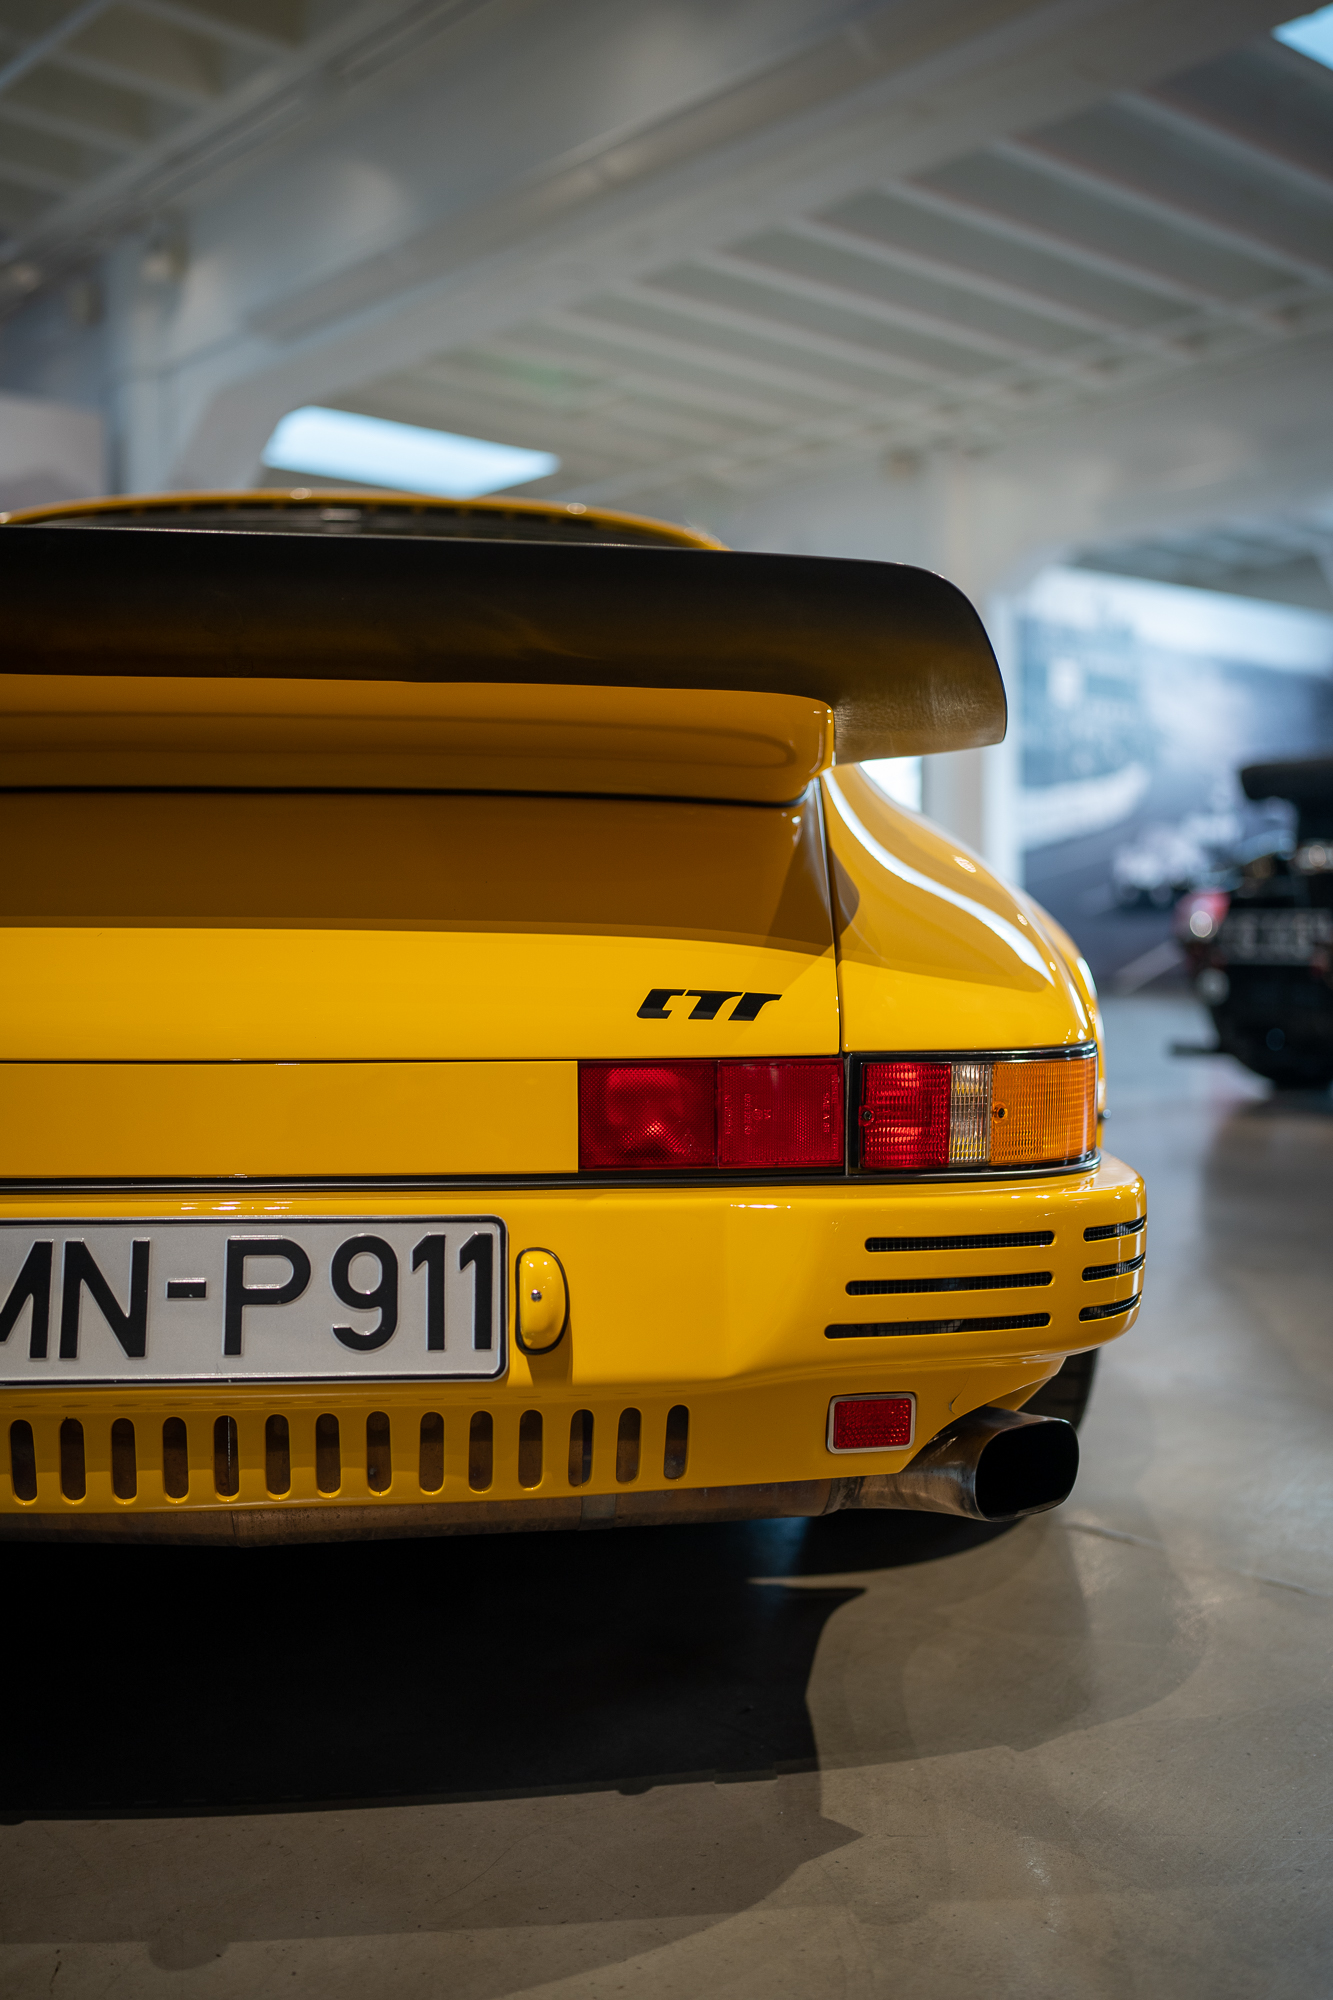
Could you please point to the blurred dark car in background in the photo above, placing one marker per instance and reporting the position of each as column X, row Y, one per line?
column 1260, row 941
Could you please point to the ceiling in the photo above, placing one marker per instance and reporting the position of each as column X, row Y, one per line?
column 110, row 108
column 1163, row 229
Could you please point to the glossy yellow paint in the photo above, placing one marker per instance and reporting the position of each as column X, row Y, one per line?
column 147, row 1120
column 541, row 1301
column 276, row 498
column 298, row 926
column 729, row 1320
column 933, row 951
column 81, row 729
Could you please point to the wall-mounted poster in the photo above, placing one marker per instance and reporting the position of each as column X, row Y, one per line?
column 1137, row 704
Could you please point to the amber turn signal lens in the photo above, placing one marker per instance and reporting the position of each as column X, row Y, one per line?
column 1043, row 1111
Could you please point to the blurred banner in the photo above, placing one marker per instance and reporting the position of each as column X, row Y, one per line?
column 1138, row 702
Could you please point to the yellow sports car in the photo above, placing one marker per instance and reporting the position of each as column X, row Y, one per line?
column 480, row 1054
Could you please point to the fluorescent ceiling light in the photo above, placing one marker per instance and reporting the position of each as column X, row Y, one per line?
column 341, row 445
column 1312, row 34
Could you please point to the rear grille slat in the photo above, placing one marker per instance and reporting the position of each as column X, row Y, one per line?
column 124, row 1467
column 226, row 1458
column 1017, row 1239
column 1112, row 1309
column 1104, row 1231
column 879, row 1329
column 1095, row 1271
column 864, row 1288
column 328, row 1454
column 22, row 1460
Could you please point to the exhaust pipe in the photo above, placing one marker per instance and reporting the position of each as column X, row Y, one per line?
column 991, row 1465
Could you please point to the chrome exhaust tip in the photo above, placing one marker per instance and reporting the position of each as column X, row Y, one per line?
column 991, row 1465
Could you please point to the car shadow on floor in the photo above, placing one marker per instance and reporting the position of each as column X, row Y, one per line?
column 170, row 1679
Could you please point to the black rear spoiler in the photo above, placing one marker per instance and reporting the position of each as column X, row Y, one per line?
column 898, row 654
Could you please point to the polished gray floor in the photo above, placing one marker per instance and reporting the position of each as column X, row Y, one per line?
column 1086, row 1756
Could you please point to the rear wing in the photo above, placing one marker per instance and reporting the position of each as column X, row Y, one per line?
column 165, row 656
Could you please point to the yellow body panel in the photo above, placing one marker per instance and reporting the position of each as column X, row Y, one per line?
column 933, row 952
column 147, row 1120
column 164, row 927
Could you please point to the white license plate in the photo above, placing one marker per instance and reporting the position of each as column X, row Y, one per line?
column 354, row 1299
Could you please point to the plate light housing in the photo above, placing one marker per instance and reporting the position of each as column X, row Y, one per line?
column 913, row 1115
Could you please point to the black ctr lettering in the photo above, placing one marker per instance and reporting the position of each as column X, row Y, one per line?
column 747, row 1007
column 709, row 1000
column 654, row 1007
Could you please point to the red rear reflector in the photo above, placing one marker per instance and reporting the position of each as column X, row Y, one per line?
column 779, row 1114
column 905, row 1115
column 766, row 1115
column 871, row 1423
column 647, row 1115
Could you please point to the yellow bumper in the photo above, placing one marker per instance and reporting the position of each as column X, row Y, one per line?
column 706, row 1311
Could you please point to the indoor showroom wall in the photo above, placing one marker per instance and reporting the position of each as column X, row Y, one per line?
column 1133, row 706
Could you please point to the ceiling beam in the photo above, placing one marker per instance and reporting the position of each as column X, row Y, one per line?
column 219, row 27
column 34, row 118
column 981, row 285
column 1104, row 187
column 34, row 53
column 1244, row 148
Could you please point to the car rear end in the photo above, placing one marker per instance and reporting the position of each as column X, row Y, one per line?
column 387, row 1156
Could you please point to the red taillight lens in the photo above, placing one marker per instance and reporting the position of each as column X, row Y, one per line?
column 766, row 1115
column 779, row 1114
column 647, row 1114
column 905, row 1115
column 870, row 1423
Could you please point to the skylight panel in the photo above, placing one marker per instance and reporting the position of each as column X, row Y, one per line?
column 340, row 444
column 1312, row 34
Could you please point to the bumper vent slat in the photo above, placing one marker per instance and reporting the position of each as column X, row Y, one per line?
column 1104, row 1231
column 1112, row 1310
column 1094, row 1271
column 876, row 1330
column 1003, row 1281
column 1016, row 1239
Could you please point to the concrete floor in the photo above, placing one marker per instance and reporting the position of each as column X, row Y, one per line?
column 1085, row 1756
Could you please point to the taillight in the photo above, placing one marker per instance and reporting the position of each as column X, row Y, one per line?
column 779, row 1114
column 915, row 1116
column 664, row 1116
column 660, row 1115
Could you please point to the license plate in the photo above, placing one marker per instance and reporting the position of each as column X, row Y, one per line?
column 1275, row 937
column 295, row 1300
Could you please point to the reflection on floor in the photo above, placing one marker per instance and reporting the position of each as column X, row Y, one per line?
column 1086, row 1756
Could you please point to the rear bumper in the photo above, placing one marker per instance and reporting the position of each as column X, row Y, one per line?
column 703, row 1310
